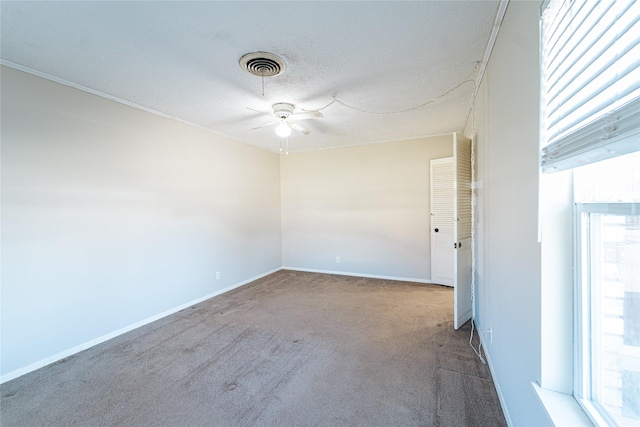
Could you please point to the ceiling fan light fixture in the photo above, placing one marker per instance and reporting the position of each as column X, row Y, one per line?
column 283, row 130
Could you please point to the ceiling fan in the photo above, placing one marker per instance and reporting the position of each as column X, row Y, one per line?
column 286, row 119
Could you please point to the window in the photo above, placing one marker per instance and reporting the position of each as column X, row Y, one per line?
column 607, row 252
column 591, row 125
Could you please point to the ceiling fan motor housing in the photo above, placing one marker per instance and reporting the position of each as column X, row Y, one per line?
column 282, row 110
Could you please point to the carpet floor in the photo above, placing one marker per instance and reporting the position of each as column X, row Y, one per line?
column 290, row 349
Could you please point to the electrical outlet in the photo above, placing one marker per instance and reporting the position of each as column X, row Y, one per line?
column 217, row 275
column 337, row 260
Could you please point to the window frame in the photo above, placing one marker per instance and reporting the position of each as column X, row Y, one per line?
column 583, row 363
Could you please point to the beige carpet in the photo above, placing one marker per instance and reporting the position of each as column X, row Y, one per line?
column 291, row 349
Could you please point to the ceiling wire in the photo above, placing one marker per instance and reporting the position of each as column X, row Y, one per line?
column 336, row 100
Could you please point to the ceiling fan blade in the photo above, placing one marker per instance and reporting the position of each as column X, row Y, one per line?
column 264, row 125
column 257, row 111
column 299, row 128
column 306, row 115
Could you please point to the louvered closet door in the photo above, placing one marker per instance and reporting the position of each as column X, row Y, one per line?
column 462, row 230
column 442, row 195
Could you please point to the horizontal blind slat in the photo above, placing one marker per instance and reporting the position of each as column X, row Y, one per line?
column 599, row 140
column 572, row 41
column 599, row 105
column 591, row 81
column 560, row 30
column 582, row 69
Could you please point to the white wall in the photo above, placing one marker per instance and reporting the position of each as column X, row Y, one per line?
column 508, row 258
column 368, row 205
column 111, row 215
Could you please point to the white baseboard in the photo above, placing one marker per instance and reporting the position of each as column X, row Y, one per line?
column 370, row 276
column 503, row 404
column 71, row 351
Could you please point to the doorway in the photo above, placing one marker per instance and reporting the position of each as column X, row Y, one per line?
column 451, row 226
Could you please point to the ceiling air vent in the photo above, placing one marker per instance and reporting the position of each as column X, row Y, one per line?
column 262, row 64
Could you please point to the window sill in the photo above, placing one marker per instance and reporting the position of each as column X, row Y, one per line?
column 562, row 409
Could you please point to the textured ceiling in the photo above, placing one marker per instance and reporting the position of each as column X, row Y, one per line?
column 397, row 69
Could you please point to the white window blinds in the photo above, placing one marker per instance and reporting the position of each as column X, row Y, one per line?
column 591, row 81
